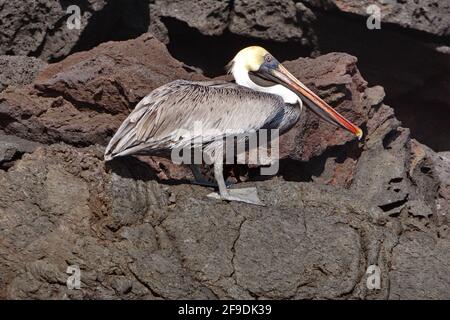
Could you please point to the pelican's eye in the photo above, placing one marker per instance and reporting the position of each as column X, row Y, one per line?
column 270, row 62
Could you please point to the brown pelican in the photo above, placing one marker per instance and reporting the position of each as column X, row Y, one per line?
column 155, row 126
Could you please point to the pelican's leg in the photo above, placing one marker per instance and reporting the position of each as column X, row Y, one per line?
column 247, row 195
column 218, row 175
column 200, row 179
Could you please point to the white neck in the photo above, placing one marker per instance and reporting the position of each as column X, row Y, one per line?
column 241, row 77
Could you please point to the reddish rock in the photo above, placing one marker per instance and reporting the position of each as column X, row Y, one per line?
column 391, row 193
column 114, row 76
column 336, row 79
column 83, row 99
column 24, row 113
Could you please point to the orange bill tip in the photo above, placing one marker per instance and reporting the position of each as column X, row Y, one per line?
column 359, row 133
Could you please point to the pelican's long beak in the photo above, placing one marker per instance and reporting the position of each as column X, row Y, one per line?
column 316, row 104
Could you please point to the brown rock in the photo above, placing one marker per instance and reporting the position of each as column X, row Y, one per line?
column 49, row 120
column 83, row 99
column 12, row 148
column 280, row 20
column 39, row 27
column 210, row 17
column 18, row 70
column 133, row 238
column 336, row 79
column 114, row 76
column 431, row 16
column 420, row 261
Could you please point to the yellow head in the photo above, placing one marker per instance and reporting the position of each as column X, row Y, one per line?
column 250, row 58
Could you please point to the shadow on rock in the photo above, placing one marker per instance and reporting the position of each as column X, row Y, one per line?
column 133, row 168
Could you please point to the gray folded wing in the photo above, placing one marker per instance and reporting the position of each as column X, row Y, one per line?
column 179, row 113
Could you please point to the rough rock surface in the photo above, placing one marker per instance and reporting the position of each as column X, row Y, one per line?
column 12, row 148
column 209, row 17
column 135, row 238
column 280, row 20
column 417, row 88
column 25, row 113
column 419, row 267
column 18, row 70
column 39, row 27
column 337, row 80
column 336, row 207
column 83, row 99
column 432, row 16
column 113, row 77
column 156, row 26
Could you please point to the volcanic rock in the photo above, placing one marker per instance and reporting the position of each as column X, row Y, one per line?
column 12, row 148
column 132, row 237
column 26, row 114
column 83, row 99
column 114, row 76
column 280, row 20
column 336, row 79
column 420, row 261
column 210, row 17
column 18, row 70
column 40, row 27
column 432, row 16
column 337, row 207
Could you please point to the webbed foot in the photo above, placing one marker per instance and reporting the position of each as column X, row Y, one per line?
column 247, row 195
